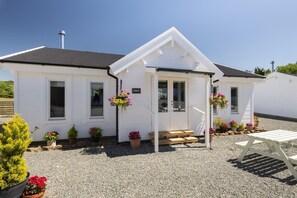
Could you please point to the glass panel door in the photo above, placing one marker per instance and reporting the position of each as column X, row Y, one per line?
column 178, row 96
column 163, row 96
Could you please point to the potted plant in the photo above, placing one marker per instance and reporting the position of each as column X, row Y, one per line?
column 14, row 141
column 241, row 127
column 224, row 127
column 122, row 100
column 218, row 122
column 256, row 120
column 95, row 133
column 218, row 100
column 72, row 134
column 134, row 138
column 249, row 126
column 212, row 133
column 51, row 138
column 35, row 187
column 233, row 125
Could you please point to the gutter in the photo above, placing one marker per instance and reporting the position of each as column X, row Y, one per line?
column 117, row 108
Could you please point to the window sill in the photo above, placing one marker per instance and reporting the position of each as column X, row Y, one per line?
column 97, row 118
column 56, row 119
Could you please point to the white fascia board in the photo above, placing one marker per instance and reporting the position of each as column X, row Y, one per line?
column 240, row 80
column 21, row 52
column 50, row 69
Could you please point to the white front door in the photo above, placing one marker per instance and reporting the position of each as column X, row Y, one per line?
column 172, row 104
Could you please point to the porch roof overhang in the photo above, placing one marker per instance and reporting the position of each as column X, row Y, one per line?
column 185, row 71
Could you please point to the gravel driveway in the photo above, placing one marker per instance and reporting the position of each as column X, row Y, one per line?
column 177, row 171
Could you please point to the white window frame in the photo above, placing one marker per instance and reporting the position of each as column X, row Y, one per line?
column 234, row 112
column 213, row 108
column 67, row 99
column 89, row 100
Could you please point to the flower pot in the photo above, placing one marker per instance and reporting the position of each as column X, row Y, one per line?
column 256, row 123
column 39, row 195
column 15, row 191
column 52, row 143
column 72, row 140
column 135, row 144
column 95, row 139
column 249, row 128
column 234, row 129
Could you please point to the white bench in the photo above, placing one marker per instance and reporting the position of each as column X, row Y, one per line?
column 244, row 143
column 293, row 159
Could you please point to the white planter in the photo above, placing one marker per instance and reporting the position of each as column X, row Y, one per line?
column 51, row 143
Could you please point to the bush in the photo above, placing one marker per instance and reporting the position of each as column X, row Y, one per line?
column 218, row 122
column 72, row 133
column 95, row 132
column 14, row 141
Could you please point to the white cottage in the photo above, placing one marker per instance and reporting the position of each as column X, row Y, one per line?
column 169, row 79
column 276, row 96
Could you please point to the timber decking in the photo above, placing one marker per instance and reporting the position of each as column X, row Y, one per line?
column 174, row 137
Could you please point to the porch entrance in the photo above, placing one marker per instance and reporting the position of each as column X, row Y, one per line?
column 172, row 104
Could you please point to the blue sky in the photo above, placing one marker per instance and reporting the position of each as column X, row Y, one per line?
column 239, row 34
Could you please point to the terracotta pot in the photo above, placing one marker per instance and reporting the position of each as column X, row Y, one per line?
column 51, row 143
column 135, row 144
column 39, row 195
column 256, row 123
column 249, row 128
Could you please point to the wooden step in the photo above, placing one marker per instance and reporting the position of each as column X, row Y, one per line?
column 171, row 141
column 178, row 133
column 191, row 139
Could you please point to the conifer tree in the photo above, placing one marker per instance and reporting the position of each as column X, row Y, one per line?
column 14, row 141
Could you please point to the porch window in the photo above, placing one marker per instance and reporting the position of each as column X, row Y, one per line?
column 234, row 100
column 179, row 96
column 163, row 96
column 215, row 92
column 57, row 99
column 96, row 99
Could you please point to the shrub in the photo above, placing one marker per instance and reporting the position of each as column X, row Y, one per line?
column 14, row 141
column 95, row 132
column 218, row 122
column 72, row 133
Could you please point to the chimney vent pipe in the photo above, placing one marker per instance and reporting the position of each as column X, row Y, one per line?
column 62, row 35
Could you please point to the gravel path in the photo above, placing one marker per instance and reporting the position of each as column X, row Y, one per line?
column 177, row 171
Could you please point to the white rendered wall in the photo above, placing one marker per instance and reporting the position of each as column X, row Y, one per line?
column 245, row 100
column 33, row 100
column 138, row 116
column 277, row 95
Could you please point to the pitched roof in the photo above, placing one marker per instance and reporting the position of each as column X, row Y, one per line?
column 231, row 72
column 63, row 57
column 73, row 58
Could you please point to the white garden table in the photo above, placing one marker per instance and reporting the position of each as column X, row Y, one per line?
column 274, row 140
